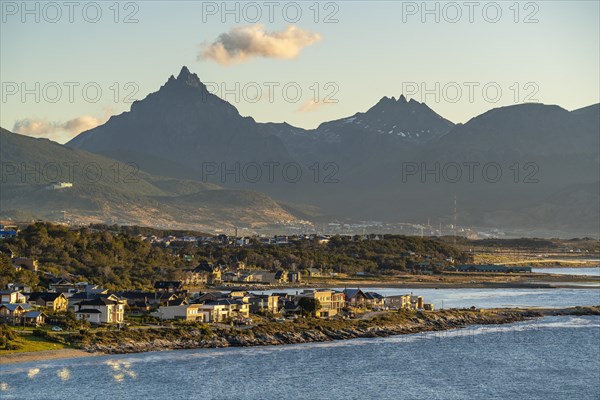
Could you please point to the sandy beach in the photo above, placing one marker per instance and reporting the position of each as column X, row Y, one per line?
column 44, row 355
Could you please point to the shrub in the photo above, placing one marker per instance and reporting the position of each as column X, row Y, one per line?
column 148, row 319
column 7, row 332
column 39, row 333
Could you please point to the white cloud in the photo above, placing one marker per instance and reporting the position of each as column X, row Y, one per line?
column 312, row 105
column 243, row 43
column 81, row 124
column 58, row 131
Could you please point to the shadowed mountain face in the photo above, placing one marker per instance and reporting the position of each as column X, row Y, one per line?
column 399, row 160
column 526, row 129
column 384, row 132
column 180, row 127
column 107, row 191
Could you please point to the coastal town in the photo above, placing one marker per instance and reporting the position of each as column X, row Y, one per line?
column 93, row 305
column 58, row 279
column 300, row 200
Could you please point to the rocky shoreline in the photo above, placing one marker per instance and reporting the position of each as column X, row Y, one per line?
column 305, row 331
column 288, row 333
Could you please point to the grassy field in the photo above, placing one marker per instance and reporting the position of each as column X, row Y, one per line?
column 534, row 260
column 28, row 342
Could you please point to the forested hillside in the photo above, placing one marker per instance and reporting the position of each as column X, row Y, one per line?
column 117, row 258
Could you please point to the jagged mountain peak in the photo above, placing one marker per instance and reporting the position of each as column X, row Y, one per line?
column 185, row 78
column 180, row 127
column 188, row 78
column 185, row 72
column 399, row 119
column 399, row 105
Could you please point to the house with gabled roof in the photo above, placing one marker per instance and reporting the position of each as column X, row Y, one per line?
column 290, row 308
column 168, row 286
column 56, row 301
column 280, row 276
column 23, row 288
column 13, row 311
column 374, row 300
column 209, row 296
column 178, row 302
column 101, row 311
column 12, row 296
column 61, row 285
column 210, row 272
column 78, row 297
column 355, row 297
column 146, row 300
column 28, row 263
column 34, row 317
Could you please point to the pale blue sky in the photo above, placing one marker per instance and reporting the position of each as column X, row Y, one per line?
column 371, row 52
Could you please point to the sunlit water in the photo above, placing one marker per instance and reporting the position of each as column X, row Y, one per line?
column 592, row 271
column 550, row 358
column 492, row 298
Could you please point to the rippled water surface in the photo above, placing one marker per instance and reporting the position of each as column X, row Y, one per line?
column 549, row 358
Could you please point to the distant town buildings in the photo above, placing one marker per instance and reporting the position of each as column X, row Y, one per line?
column 491, row 268
column 8, row 231
column 59, row 185
column 24, row 262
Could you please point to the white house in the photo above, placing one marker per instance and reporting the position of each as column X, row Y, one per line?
column 101, row 311
column 59, row 185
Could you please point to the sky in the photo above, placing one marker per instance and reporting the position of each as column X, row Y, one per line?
column 67, row 67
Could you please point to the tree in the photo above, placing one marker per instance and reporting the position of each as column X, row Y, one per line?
column 309, row 305
column 27, row 277
column 7, row 271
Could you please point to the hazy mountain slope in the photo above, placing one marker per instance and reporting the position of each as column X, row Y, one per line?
column 105, row 190
column 524, row 129
column 574, row 210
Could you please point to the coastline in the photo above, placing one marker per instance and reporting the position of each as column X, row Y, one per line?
column 383, row 325
column 593, row 283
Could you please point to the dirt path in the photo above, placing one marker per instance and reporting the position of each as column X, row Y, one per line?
column 371, row 314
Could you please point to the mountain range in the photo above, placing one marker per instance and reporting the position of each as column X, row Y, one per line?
column 530, row 167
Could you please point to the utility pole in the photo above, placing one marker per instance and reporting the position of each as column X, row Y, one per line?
column 454, row 220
